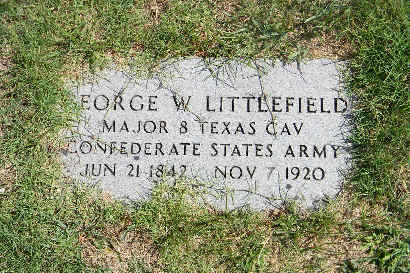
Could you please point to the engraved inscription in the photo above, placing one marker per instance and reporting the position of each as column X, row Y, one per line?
column 258, row 139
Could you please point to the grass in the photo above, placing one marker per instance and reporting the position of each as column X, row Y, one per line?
column 48, row 227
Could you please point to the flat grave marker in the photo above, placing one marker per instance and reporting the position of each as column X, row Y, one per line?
column 252, row 136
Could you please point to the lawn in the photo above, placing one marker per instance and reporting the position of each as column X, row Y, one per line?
column 47, row 226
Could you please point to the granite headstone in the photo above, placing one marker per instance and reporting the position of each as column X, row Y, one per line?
column 252, row 134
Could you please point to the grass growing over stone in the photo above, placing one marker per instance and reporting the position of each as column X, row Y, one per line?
column 46, row 226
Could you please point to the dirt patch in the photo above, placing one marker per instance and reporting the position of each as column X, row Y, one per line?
column 117, row 247
column 325, row 46
column 5, row 63
column 155, row 8
column 120, row 252
column 7, row 177
column 5, row 59
column 328, row 47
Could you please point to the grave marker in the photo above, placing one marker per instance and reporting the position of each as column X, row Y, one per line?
column 248, row 135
